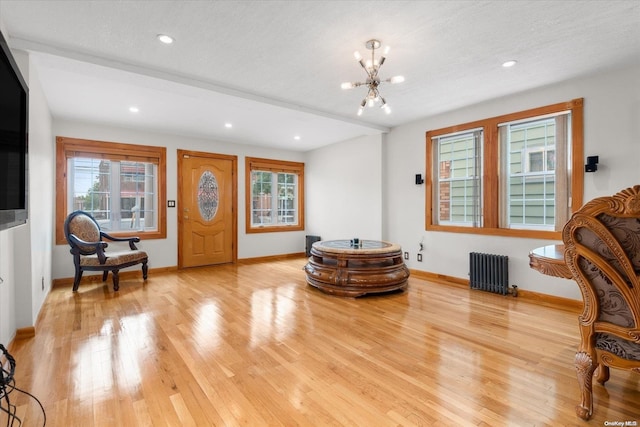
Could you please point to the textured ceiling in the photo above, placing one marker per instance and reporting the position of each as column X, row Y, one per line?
column 274, row 68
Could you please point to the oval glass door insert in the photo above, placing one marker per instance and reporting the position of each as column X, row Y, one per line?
column 208, row 195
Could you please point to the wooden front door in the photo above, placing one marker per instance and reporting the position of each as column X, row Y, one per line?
column 207, row 219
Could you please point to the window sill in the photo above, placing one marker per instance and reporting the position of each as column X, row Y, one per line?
column 274, row 228
column 505, row 232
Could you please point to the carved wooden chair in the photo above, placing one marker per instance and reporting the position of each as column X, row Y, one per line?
column 88, row 249
column 602, row 251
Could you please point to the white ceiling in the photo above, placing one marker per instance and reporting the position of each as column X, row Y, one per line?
column 274, row 68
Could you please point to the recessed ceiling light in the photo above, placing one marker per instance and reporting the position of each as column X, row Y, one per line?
column 134, row 109
column 297, row 137
column 508, row 64
column 165, row 38
column 228, row 125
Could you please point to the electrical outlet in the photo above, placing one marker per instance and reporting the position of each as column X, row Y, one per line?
column 419, row 257
column 406, row 255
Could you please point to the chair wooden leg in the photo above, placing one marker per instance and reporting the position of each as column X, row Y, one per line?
column 584, row 370
column 77, row 278
column 116, row 279
column 145, row 268
column 602, row 373
column 104, row 275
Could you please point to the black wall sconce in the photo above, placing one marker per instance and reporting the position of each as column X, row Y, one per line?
column 419, row 179
column 592, row 164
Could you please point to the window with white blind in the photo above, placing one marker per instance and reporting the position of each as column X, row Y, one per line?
column 120, row 185
column 519, row 174
column 122, row 195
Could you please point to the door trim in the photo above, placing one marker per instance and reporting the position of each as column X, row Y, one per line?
column 234, row 197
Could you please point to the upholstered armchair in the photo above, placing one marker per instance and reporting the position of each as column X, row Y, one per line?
column 602, row 251
column 88, row 249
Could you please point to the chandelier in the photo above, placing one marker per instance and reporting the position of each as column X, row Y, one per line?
column 373, row 81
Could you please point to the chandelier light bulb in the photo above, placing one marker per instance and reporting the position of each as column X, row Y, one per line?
column 360, row 110
column 165, row 38
column 396, row 79
column 347, row 85
column 357, row 55
column 384, row 55
column 385, row 106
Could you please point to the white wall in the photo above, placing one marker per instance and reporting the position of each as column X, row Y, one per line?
column 344, row 189
column 7, row 287
column 611, row 129
column 164, row 252
column 25, row 251
column 41, row 191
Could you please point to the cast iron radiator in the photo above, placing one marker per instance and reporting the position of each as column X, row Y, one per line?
column 489, row 272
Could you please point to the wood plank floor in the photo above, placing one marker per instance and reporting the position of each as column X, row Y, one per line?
column 253, row 345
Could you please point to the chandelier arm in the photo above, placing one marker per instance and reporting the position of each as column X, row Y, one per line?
column 382, row 59
column 373, row 59
column 375, row 70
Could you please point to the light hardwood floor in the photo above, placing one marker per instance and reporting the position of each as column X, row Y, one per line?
column 254, row 345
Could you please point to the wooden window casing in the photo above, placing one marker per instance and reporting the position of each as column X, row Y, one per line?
column 491, row 193
column 275, row 166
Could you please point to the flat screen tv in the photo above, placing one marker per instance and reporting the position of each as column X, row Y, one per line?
column 14, row 111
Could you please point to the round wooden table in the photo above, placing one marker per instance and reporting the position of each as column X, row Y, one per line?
column 340, row 268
